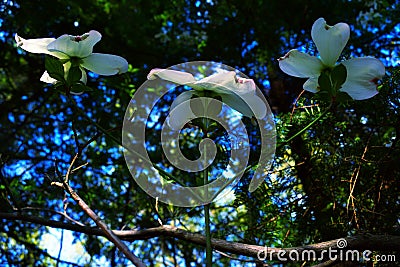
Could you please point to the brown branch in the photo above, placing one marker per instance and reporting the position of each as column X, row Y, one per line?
column 63, row 214
column 85, row 207
column 359, row 242
column 353, row 182
column 107, row 232
column 294, row 105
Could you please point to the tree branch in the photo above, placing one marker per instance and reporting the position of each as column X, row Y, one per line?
column 358, row 242
column 104, row 228
column 107, row 232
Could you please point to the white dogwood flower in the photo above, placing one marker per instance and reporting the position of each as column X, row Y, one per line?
column 239, row 93
column 362, row 73
column 75, row 50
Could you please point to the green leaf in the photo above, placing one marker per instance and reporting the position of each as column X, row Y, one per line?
column 322, row 96
column 339, row 76
column 54, row 68
column 343, row 97
column 80, row 88
column 324, row 82
column 74, row 75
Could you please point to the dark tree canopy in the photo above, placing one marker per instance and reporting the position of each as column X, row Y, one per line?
column 337, row 179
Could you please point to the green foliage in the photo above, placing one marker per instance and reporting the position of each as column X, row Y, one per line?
column 330, row 82
column 339, row 75
column 74, row 75
column 54, row 68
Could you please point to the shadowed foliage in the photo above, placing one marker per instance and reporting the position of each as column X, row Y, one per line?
column 337, row 179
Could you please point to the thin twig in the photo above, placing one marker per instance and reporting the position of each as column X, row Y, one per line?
column 108, row 233
column 56, row 212
column 81, row 166
column 70, row 168
column 353, row 183
column 294, row 105
column 61, row 246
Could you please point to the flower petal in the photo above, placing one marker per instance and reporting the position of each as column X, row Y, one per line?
column 75, row 46
column 219, row 82
column 362, row 76
column 239, row 93
column 180, row 111
column 179, row 77
column 311, row 85
column 330, row 40
column 105, row 64
column 226, row 82
column 34, row 45
column 245, row 85
column 47, row 79
column 38, row 46
column 299, row 64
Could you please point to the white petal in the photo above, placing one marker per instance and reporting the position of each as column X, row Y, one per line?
column 105, row 64
column 84, row 76
column 47, row 79
column 178, row 77
column 245, row 85
column 180, row 111
column 75, row 46
column 34, row 45
column 330, row 40
column 38, row 46
column 311, row 85
column 235, row 91
column 227, row 83
column 302, row 65
column 219, row 82
column 362, row 77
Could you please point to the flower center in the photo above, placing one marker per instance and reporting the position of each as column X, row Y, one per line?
column 375, row 81
column 79, row 38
